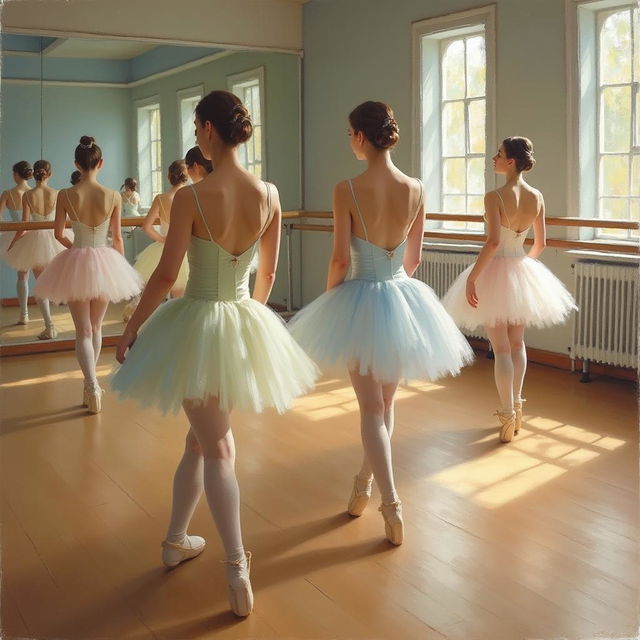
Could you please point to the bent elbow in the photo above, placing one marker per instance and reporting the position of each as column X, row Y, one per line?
column 339, row 263
column 493, row 244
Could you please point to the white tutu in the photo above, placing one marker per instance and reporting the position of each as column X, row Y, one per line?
column 34, row 250
column 510, row 290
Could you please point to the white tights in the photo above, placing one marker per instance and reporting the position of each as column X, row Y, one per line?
column 208, row 462
column 507, row 342
column 22, row 289
column 87, row 317
column 43, row 303
column 376, row 427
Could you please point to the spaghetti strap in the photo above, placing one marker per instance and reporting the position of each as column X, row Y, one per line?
column 364, row 226
column 66, row 193
column 13, row 202
column 421, row 195
column 195, row 195
column 269, row 216
column 504, row 208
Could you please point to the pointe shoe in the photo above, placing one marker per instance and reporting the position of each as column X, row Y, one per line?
column 239, row 585
column 24, row 319
column 93, row 397
column 360, row 495
column 508, row 421
column 49, row 333
column 173, row 553
column 393, row 524
column 518, row 409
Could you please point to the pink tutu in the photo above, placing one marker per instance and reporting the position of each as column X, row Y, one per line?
column 87, row 274
column 511, row 290
column 34, row 250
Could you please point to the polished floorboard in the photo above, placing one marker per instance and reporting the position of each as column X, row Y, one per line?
column 535, row 539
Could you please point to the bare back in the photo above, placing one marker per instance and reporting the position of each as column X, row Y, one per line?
column 41, row 199
column 235, row 206
column 91, row 202
column 388, row 203
column 13, row 198
column 519, row 206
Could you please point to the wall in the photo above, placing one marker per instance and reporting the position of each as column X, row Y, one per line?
column 370, row 58
column 271, row 24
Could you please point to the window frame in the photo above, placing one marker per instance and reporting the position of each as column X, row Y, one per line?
column 144, row 160
column 255, row 75
column 182, row 95
column 426, row 92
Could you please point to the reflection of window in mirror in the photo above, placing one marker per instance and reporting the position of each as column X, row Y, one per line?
column 249, row 87
column 149, row 150
column 455, row 70
column 187, row 101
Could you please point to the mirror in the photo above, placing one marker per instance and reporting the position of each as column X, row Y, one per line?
column 137, row 100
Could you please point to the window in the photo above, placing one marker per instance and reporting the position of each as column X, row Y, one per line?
column 453, row 85
column 603, row 126
column 463, row 129
column 187, row 101
column 149, row 150
column 618, row 122
column 249, row 87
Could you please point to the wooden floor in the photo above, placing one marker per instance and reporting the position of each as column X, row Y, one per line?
column 536, row 539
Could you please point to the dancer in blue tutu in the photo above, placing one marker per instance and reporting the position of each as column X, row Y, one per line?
column 381, row 325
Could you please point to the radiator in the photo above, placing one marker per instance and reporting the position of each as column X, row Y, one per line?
column 439, row 269
column 605, row 328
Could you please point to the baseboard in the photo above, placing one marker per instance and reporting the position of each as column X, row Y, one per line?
column 563, row 361
column 48, row 346
column 13, row 302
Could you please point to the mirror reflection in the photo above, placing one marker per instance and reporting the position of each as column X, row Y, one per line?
column 137, row 100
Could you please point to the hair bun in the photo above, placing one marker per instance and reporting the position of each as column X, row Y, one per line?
column 86, row 142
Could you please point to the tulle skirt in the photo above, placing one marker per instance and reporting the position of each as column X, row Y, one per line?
column 34, row 250
column 87, row 274
column 193, row 348
column 393, row 329
column 510, row 290
column 148, row 259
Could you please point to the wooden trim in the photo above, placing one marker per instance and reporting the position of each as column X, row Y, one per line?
column 563, row 361
column 48, row 346
column 13, row 302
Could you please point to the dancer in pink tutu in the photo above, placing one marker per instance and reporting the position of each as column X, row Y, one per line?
column 34, row 250
column 89, row 274
column 507, row 289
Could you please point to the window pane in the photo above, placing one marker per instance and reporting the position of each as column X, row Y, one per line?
column 453, row 204
column 475, row 204
column 156, row 181
column 635, row 175
column 475, row 67
column 614, row 208
column 636, row 45
column 453, row 71
column 453, row 129
column 477, row 126
column 454, row 177
column 257, row 137
column 475, row 176
column 155, row 124
column 615, row 119
column 615, row 48
column 155, row 155
column 635, row 211
column 614, row 175
column 256, row 116
column 251, row 156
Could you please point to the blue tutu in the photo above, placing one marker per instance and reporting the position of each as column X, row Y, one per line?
column 381, row 322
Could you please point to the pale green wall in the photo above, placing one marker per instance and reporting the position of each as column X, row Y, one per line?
column 361, row 50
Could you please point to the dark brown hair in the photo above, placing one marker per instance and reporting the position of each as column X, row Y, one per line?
column 178, row 172
column 76, row 176
column 194, row 156
column 41, row 170
column 23, row 169
column 521, row 150
column 130, row 183
column 227, row 114
column 88, row 153
column 376, row 121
